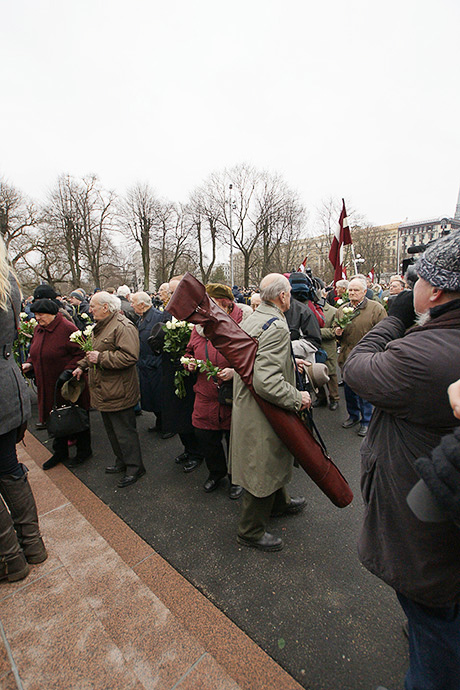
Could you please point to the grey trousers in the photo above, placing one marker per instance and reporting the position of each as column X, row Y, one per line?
column 121, row 430
column 255, row 512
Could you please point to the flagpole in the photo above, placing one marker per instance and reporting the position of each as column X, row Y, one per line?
column 354, row 258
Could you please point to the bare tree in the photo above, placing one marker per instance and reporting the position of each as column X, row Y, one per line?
column 18, row 221
column 205, row 220
column 139, row 213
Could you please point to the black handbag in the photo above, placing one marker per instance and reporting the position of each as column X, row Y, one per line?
column 67, row 420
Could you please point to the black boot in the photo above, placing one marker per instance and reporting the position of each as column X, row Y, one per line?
column 13, row 565
column 19, row 498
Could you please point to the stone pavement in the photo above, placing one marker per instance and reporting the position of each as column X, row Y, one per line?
column 106, row 612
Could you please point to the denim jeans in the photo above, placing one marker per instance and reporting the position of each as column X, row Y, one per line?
column 434, row 646
column 357, row 407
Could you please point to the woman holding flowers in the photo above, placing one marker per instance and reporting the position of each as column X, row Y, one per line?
column 52, row 355
column 211, row 419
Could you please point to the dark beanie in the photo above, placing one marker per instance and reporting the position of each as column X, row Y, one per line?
column 44, row 306
column 45, row 291
column 439, row 265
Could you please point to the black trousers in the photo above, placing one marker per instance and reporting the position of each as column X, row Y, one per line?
column 121, row 430
column 211, row 443
column 83, row 443
column 191, row 445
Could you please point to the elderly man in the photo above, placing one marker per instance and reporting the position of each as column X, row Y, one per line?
column 255, row 300
column 149, row 364
column 406, row 376
column 124, row 293
column 366, row 314
column 114, row 384
column 259, row 461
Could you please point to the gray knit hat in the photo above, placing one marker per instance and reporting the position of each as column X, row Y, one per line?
column 439, row 264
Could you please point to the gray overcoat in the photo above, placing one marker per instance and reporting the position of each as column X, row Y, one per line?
column 14, row 392
column 259, row 460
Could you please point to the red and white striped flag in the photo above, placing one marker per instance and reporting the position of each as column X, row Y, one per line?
column 303, row 265
column 371, row 274
column 341, row 238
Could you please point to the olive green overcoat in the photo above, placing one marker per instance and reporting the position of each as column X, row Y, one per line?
column 259, row 460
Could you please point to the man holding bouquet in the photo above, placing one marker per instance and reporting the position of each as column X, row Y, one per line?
column 353, row 320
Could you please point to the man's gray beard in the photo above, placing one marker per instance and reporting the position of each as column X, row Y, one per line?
column 422, row 319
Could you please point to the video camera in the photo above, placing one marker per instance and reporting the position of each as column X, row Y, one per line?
column 408, row 265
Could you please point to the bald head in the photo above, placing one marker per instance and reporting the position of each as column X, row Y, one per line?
column 275, row 288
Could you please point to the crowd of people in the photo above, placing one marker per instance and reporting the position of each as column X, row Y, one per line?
column 394, row 349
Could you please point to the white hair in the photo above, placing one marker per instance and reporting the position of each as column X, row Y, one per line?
column 255, row 296
column 112, row 301
column 272, row 289
column 142, row 298
column 342, row 283
column 362, row 279
column 123, row 291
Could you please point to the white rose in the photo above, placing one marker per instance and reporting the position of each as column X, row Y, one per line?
column 23, row 315
column 33, row 322
column 168, row 325
column 88, row 330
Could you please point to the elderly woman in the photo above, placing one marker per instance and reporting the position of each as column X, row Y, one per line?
column 114, row 384
column 211, row 419
column 20, row 540
column 52, row 356
column 149, row 364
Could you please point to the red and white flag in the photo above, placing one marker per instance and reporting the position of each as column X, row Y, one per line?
column 303, row 265
column 371, row 274
column 342, row 237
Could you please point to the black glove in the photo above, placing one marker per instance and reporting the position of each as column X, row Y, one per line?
column 402, row 306
column 156, row 338
column 64, row 376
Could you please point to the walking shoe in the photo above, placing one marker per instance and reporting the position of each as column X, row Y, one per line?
column 41, row 425
column 235, row 491
column 114, row 469
column 192, row 464
column 333, row 405
column 52, row 462
column 348, row 423
column 268, row 542
column 169, row 434
column 296, row 506
column 129, row 479
column 211, row 484
column 362, row 431
column 183, row 457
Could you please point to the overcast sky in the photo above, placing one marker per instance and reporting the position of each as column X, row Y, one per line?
column 357, row 99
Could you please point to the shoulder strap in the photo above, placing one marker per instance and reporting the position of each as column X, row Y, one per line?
column 266, row 325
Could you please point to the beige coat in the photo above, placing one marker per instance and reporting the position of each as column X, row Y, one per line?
column 114, row 384
column 328, row 339
column 259, row 460
column 369, row 315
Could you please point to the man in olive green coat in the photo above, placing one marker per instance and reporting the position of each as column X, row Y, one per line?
column 259, row 460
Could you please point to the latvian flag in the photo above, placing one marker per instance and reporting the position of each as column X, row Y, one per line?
column 341, row 238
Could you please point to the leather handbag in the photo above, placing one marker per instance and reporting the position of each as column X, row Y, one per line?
column 67, row 420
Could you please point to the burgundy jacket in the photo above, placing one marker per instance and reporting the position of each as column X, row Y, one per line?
column 207, row 412
column 51, row 352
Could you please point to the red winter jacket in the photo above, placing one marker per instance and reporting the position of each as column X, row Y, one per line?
column 207, row 412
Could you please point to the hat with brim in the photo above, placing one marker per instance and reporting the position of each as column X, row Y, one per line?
column 317, row 375
column 424, row 505
column 72, row 389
